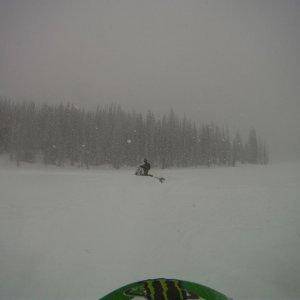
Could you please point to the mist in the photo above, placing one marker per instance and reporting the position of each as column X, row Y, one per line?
column 235, row 63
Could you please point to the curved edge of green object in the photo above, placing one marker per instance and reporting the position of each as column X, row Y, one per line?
column 201, row 291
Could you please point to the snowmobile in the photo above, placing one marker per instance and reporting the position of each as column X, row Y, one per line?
column 141, row 172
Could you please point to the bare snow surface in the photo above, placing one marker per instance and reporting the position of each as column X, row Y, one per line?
column 79, row 234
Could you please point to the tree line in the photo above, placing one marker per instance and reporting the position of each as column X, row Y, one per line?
column 64, row 134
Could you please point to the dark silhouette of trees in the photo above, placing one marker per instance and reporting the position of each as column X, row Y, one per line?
column 64, row 134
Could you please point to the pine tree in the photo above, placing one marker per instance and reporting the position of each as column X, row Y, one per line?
column 252, row 147
column 237, row 150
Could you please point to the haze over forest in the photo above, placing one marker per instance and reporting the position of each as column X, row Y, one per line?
column 233, row 63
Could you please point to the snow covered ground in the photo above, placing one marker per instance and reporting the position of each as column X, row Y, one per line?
column 78, row 234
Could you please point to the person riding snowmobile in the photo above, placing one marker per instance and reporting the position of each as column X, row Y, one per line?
column 146, row 167
column 143, row 170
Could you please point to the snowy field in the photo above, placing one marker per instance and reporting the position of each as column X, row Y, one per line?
column 78, row 234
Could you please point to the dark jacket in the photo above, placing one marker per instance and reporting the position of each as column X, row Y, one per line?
column 146, row 167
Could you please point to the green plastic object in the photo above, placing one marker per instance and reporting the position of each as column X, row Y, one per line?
column 165, row 289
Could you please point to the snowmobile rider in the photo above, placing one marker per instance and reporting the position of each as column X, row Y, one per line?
column 146, row 167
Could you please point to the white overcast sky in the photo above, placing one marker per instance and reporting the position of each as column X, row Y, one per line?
column 234, row 62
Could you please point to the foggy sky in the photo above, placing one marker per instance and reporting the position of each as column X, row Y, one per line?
column 234, row 62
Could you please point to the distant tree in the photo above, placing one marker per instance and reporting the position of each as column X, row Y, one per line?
column 265, row 154
column 237, row 149
column 150, row 143
column 252, row 147
column 206, row 157
column 5, row 124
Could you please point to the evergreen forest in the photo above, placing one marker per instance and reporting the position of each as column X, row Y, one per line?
column 64, row 134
